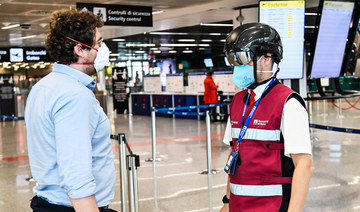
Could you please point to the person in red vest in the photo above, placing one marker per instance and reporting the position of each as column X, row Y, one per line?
column 210, row 94
column 270, row 162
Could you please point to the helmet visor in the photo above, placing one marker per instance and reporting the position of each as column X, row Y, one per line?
column 239, row 58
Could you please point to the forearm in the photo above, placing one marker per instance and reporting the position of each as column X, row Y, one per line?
column 86, row 204
column 300, row 183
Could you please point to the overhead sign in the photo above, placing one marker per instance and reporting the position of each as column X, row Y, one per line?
column 120, row 15
column 26, row 54
column 4, row 55
column 288, row 18
column 332, row 37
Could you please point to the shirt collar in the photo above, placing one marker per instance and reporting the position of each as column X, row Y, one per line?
column 259, row 90
column 81, row 77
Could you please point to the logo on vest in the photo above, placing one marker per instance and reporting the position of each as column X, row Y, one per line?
column 233, row 122
column 260, row 122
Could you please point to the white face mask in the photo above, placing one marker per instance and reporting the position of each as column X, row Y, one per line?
column 102, row 57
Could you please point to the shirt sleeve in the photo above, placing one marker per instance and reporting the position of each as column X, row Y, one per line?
column 295, row 128
column 227, row 135
column 75, row 123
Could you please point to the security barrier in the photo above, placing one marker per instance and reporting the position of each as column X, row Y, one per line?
column 131, row 162
column 172, row 110
column 11, row 117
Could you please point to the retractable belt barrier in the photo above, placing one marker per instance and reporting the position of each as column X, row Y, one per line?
column 11, row 117
column 172, row 110
column 336, row 129
column 131, row 162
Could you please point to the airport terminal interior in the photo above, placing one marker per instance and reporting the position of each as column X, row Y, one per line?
column 159, row 59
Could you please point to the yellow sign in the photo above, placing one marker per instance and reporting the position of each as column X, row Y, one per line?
column 281, row 4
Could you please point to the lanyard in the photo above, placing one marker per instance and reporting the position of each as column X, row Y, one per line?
column 248, row 119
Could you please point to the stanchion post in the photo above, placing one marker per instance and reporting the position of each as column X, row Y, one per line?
column 133, row 162
column 208, row 146
column 153, row 136
column 310, row 116
column 122, row 157
column 340, row 105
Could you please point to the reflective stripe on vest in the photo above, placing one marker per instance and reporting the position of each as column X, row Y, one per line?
column 257, row 134
column 256, row 190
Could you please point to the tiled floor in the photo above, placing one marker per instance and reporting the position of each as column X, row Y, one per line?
column 181, row 143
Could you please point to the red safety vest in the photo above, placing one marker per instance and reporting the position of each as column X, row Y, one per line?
column 263, row 180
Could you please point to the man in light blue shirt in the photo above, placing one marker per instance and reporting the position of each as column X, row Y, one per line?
column 68, row 132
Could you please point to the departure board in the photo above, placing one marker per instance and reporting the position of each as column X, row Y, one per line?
column 331, row 41
column 288, row 18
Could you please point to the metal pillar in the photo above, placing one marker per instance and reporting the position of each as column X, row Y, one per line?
column 153, row 135
column 133, row 162
column 208, row 147
column 122, row 157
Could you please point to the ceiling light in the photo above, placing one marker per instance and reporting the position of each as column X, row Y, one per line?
column 187, row 51
column 183, row 44
column 115, row 54
column 206, row 40
column 309, row 27
column 168, row 33
column 112, row 59
column 203, row 44
column 157, row 52
column 22, row 38
column 209, row 24
column 223, row 40
column 215, row 34
column 154, row 48
column 172, row 51
column 10, row 26
column 139, row 44
column 186, row 40
column 311, row 14
column 118, row 39
column 157, row 12
column 139, row 52
column 128, row 54
column 201, row 48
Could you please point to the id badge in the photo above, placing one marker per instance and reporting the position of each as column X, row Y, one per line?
column 231, row 163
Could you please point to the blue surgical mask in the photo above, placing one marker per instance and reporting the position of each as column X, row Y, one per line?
column 243, row 76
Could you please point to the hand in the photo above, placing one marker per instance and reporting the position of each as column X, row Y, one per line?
column 225, row 208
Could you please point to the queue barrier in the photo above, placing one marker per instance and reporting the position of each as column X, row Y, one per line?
column 11, row 117
column 172, row 110
column 128, row 164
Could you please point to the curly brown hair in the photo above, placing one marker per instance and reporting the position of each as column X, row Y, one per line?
column 78, row 25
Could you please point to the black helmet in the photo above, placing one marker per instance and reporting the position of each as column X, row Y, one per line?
column 250, row 40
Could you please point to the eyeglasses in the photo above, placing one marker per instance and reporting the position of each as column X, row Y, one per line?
column 239, row 58
column 98, row 42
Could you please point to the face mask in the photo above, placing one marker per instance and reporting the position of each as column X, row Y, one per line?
column 102, row 57
column 243, row 76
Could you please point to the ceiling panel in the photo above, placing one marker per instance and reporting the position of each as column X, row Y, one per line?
column 177, row 14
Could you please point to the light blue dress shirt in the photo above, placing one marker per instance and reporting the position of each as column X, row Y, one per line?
column 68, row 137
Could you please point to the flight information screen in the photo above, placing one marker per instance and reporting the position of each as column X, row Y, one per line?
column 288, row 18
column 331, row 41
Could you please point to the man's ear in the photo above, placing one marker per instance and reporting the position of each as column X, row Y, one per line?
column 78, row 50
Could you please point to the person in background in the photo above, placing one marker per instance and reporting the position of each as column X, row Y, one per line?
column 68, row 133
column 210, row 93
column 270, row 161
